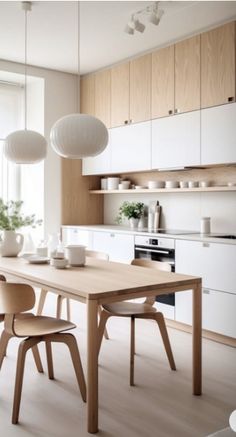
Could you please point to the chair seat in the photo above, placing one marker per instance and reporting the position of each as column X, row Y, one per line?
column 129, row 309
column 40, row 325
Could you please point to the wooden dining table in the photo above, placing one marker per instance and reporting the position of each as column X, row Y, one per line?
column 100, row 282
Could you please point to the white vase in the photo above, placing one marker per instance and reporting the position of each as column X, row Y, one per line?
column 133, row 222
column 11, row 243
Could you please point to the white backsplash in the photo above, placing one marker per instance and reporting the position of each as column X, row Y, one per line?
column 183, row 210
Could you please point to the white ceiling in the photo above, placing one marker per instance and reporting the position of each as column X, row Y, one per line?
column 53, row 30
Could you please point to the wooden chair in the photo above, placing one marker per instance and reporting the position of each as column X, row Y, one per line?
column 43, row 293
column 138, row 310
column 14, row 300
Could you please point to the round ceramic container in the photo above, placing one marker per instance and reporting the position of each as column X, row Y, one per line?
column 59, row 263
column 193, row 184
column 156, row 184
column 171, row 184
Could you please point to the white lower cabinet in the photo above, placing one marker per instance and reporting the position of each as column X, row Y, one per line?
column 215, row 264
column 119, row 247
column 74, row 235
column 176, row 141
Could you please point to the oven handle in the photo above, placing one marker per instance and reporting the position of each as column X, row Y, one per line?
column 166, row 252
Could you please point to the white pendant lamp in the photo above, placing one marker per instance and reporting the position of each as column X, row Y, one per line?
column 77, row 136
column 25, row 146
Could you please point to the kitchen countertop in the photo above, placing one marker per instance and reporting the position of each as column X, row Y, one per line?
column 127, row 230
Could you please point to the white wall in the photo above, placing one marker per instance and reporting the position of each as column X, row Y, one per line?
column 60, row 99
column 183, row 210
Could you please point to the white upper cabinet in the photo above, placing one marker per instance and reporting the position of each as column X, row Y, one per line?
column 131, row 147
column 218, row 135
column 176, row 141
column 100, row 164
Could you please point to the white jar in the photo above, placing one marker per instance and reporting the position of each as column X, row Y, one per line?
column 113, row 183
column 76, row 254
column 205, row 225
column 103, row 183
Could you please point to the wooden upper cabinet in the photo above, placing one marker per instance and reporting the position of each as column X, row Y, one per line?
column 140, row 89
column 120, row 95
column 187, row 75
column 218, row 66
column 163, row 82
column 87, row 96
column 103, row 96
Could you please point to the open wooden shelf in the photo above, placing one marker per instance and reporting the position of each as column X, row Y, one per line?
column 165, row 190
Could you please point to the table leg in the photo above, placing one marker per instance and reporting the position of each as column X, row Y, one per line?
column 92, row 363
column 197, row 339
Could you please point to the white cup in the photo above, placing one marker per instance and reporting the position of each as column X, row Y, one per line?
column 75, row 254
column 183, row 184
column 113, row 183
column 204, row 184
column 104, row 184
column 193, row 184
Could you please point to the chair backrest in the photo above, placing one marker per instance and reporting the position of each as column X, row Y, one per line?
column 165, row 266
column 98, row 255
column 16, row 298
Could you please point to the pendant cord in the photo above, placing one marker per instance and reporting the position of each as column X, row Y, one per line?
column 25, row 69
column 78, row 65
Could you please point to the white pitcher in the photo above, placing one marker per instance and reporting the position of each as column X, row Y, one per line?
column 11, row 243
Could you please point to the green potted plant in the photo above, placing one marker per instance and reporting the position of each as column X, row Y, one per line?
column 133, row 211
column 11, row 219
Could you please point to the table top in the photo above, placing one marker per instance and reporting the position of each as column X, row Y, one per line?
column 97, row 279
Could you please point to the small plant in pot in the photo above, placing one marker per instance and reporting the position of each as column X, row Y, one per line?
column 11, row 219
column 133, row 211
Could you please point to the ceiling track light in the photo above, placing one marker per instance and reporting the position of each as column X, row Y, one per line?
column 153, row 14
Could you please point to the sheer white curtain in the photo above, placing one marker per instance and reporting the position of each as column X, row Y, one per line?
column 19, row 182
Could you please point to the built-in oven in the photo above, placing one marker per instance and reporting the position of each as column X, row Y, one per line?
column 162, row 250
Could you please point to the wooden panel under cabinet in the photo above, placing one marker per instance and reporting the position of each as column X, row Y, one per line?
column 163, row 82
column 218, row 66
column 140, row 89
column 103, row 96
column 187, row 75
column 120, row 95
column 87, row 95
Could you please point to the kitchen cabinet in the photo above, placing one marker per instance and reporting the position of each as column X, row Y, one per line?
column 74, row 235
column 120, row 95
column 187, row 75
column 131, row 147
column 140, row 89
column 103, row 97
column 119, row 247
column 218, row 66
column 176, row 141
column 218, row 133
column 87, row 95
column 100, row 164
column 163, row 82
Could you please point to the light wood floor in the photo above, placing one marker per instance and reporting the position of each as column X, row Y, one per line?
column 161, row 404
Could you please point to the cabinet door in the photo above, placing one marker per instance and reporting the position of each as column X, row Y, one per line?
column 218, row 135
column 176, row 141
column 100, row 164
column 121, row 248
column 187, row 75
column 87, row 95
column 131, row 148
column 120, row 95
column 163, row 82
column 74, row 235
column 103, row 97
column 140, row 89
column 101, row 242
column 218, row 65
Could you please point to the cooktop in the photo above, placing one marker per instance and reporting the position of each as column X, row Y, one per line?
column 167, row 231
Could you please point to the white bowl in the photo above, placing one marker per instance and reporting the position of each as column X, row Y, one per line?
column 139, row 187
column 113, row 183
column 183, row 184
column 59, row 263
column 204, row 184
column 171, row 184
column 125, row 185
column 193, row 184
column 156, row 184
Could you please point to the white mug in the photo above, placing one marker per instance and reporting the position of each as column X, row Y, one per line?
column 75, row 253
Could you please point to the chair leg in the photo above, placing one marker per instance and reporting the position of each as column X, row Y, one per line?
column 49, row 359
column 104, row 316
column 23, row 348
column 42, row 298
column 105, row 330
column 71, row 342
column 68, row 312
column 59, row 306
column 162, row 326
column 132, row 350
column 5, row 337
column 37, row 359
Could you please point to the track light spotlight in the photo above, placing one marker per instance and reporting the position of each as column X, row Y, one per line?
column 155, row 17
column 139, row 26
column 153, row 14
column 129, row 29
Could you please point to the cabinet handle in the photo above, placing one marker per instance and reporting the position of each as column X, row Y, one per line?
column 205, row 245
column 112, row 235
column 205, row 291
column 75, row 231
column 126, row 121
column 231, row 99
column 170, row 112
column 131, row 121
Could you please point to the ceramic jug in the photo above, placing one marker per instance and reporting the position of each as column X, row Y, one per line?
column 11, row 243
